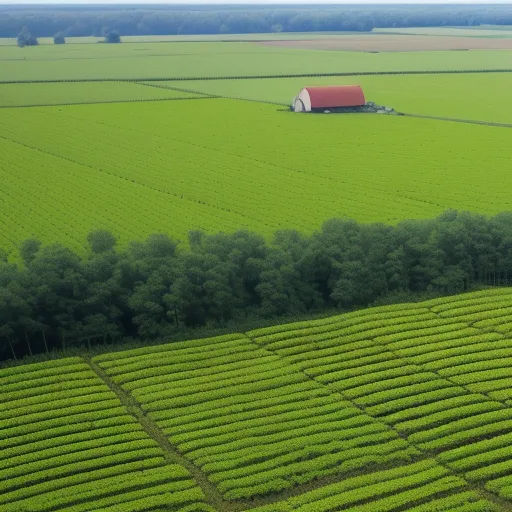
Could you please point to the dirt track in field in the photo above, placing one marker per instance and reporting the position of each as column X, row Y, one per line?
column 394, row 43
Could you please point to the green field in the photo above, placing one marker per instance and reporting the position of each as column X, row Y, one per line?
column 182, row 59
column 478, row 96
column 207, row 164
column 22, row 95
column 405, row 407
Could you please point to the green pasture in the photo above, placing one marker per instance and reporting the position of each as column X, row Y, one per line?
column 224, row 165
column 478, row 96
column 217, row 59
column 16, row 95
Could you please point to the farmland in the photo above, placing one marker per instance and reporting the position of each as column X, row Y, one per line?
column 207, row 178
column 235, row 422
column 478, row 97
column 108, row 148
column 214, row 59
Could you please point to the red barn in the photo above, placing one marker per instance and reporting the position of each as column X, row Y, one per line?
column 332, row 96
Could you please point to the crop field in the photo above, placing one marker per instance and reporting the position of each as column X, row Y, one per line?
column 397, row 43
column 478, row 96
column 405, row 407
column 69, row 444
column 216, row 169
column 217, row 59
column 23, row 95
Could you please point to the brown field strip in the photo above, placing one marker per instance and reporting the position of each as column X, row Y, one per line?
column 395, row 43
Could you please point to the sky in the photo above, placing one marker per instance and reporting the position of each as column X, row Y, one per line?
column 263, row 2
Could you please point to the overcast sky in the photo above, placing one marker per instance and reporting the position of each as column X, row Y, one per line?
column 43, row 2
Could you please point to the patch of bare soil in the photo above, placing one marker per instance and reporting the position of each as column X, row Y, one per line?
column 394, row 43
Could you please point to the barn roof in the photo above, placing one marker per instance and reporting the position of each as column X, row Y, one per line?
column 336, row 96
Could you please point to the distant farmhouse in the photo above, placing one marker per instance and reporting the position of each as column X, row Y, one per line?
column 338, row 97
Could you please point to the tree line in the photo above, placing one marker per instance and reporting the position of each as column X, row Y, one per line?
column 57, row 298
column 83, row 20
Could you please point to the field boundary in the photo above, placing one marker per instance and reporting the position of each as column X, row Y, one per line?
column 253, row 77
column 454, row 120
column 99, row 102
column 171, row 454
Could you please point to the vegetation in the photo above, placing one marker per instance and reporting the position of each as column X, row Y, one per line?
column 425, row 385
column 129, row 228
column 76, row 160
column 68, row 443
column 69, row 93
column 430, row 95
column 222, row 59
column 151, row 289
column 197, row 19
column 59, row 38
column 112, row 36
column 25, row 38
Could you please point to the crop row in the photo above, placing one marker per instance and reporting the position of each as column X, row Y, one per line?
column 167, row 350
column 462, row 300
column 205, row 384
column 159, row 497
column 343, row 462
column 213, row 362
column 176, row 359
column 458, row 350
column 35, row 370
column 375, row 313
column 100, row 484
column 60, row 440
column 84, row 450
column 274, row 419
column 383, row 490
column 112, row 358
column 52, row 399
column 286, row 401
column 80, row 420
column 280, row 440
column 384, row 335
column 28, row 386
column 444, row 416
column 336, row 324
column 32, row 421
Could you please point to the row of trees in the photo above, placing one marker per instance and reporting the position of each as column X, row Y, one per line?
column 149, row 289
column 25, row 37
column 203, row 19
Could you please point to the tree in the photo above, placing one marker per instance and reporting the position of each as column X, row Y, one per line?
column 112, row 36
column 101, row 241
column 29, row 249
column 59, row 38
column 25, row 38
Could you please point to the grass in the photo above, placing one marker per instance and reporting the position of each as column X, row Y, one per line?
column 213, row 59
column 19, row 95
column 479, row 96
column 134, row 169
column 290, row 417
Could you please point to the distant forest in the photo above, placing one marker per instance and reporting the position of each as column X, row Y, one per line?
column 153, row 288
column 217, row 19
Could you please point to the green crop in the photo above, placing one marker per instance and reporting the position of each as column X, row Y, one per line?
column 81, row 158
column 475, row 97
column 67, row 93
column 191, row 59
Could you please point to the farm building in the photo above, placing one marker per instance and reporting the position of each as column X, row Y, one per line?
column 311, row 99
